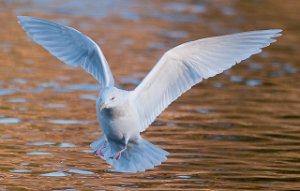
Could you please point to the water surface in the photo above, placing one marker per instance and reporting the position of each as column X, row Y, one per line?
column 237, row 131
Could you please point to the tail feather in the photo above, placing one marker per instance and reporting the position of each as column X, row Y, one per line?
column 141, row 159
column 159, row 153
column 138, row 157
column 97, row 144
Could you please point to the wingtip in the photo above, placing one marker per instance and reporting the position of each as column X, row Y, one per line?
column 273, row 33
column 277, row 32
column 24, row 18
column 21, row 19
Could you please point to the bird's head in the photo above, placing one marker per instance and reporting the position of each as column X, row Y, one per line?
column 110, row 98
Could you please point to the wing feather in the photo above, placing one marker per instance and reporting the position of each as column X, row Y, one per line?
column 188, row 64
column 70, row 46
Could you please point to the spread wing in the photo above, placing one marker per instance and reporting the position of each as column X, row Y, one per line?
column 70, row 46
column 188, row 64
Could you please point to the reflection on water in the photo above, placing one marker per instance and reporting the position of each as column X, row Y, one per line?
column 88, row 97
column 38, row 153
column 65, row 145
column 90, row 8
column 156, row 45
column 182, row 7
column 80, row 87
column 55, row 105
column 236, row 131
column 41, row 143
column 203, row 111
column 55, row 174
column 253, row 82
column 67, row 122
column 9, row 120
column 19, row 81
column 6, row 92
column 21, row 171
column 176, row 34
column 236, row 78
column 76, row 171
column 16, row 100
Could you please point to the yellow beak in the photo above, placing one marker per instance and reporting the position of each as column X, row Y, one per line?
column 102, row 106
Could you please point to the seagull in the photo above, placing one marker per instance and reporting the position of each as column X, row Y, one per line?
column 122, row 114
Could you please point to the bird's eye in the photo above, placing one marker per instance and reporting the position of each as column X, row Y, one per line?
column 112, row 98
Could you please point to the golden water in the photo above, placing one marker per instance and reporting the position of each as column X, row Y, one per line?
column 237, row 131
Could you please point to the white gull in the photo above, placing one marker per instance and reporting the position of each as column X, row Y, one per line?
column 122, row 114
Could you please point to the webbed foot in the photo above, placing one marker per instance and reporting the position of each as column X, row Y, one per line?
column 118, row 154
column 99, row 151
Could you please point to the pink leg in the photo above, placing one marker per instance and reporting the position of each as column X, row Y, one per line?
column 99, row 151
column 118, row 154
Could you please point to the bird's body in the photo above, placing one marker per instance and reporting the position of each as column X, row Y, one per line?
column 123, row 115
column 119, row 123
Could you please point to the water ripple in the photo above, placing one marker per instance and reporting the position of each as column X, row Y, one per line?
column 253, row 82
column 55, row 105
column 66, row 145
column 38, row 153
column 88, row 97
column 6, row 92
column 9, row 120
column 183, row 7
column 76, row 171
column 176, row 34
column 67, row 122
column 16, row 100
column 55, row 174
column 41, row 143
column 21, row 171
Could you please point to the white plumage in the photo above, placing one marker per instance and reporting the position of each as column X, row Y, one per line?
column 123, row 115
column 70, row 46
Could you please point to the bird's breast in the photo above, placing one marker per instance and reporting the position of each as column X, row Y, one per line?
column 118, row 122
column 113, row 113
